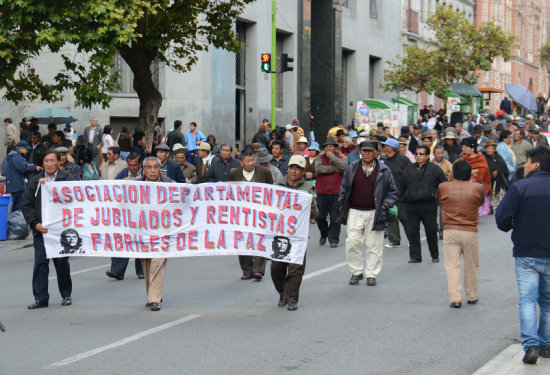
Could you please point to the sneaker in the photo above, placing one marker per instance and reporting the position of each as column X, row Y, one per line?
column 392, row 245
column 355, row 279
column 333, row 245
column 292, row 306
column 282, row 302
column 67, row 301
column 371, row 281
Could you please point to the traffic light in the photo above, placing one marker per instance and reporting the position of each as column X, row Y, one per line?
column 266, row 62
column 287, row 63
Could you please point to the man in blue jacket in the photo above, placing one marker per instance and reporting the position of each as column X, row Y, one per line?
column 169, row 168
column 15, row 168
column 525, row 209
column 367, row 191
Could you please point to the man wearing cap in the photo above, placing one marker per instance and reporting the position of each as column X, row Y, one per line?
column 397, row 163
column 520, row 146
column 537, row 138
column 114, row 164
column 403, row 149
column 12, row 135
column 220, row 168
column 15, row 168
column 332, row 131
column 368, row 189
column 252, row 267
column 329, row 168
column 204, row 161
column 66, row 165
column 188, row 169
column 168, row 168
column 418, row 188
column 175, row 135
column 287, row 277
column 263, row 158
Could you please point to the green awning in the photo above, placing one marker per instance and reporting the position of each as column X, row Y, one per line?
column 463, row 89
column 379, row 104
column 404, row 101
column 450, row 94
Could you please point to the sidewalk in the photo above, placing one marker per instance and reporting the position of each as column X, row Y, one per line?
column 508, row 362
column 16, row 244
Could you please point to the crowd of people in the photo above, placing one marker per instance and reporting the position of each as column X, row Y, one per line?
column 444, row 173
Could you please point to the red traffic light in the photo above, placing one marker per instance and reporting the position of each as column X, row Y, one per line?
column 266, row 57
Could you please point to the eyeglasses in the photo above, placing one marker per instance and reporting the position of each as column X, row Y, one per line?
column 420, row 153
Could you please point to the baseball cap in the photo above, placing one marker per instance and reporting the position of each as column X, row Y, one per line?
column 369, row 145
column 298, row 160
column 392, row 143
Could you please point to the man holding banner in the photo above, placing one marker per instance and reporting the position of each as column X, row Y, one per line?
column 287, row 277
column 32, row 211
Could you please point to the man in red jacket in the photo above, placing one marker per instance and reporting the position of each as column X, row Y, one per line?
column 329, row 168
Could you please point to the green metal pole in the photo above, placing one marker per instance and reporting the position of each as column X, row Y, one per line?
column 273, row 64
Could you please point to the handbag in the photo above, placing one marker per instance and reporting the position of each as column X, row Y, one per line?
column 89, row 172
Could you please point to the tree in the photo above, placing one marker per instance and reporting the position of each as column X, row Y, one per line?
column 456, row 52
column 140, row 31
column 544, row 55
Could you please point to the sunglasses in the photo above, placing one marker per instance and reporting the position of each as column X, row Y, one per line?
column 420, row 153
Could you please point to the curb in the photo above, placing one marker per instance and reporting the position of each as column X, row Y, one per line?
column 509, row 361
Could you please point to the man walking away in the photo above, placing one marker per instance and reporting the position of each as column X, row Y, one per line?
column 460, row 200
column 525, row 209
column 175, row 136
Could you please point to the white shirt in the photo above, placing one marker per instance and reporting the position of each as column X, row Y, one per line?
column 107, row 142
column 91, row 133
column 248, row 175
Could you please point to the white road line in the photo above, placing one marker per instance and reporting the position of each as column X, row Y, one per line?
column 124, row 341
column 324, row 270
column 87, row 270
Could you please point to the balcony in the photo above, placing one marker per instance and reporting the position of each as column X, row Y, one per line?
column 412, row 21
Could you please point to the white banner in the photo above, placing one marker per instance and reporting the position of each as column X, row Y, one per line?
column 136, row 219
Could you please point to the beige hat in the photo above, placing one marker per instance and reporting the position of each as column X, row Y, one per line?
column 178, row 146
column 204, row 146
column 288, row 126
column 62, row 149
column 302, row 140
column 298, row 160
column 530, row 116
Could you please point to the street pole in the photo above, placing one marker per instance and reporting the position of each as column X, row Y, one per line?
column 273, row 64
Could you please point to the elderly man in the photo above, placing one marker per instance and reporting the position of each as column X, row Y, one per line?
column 367, row 191
column 263, row 158
column 252, row 267
column 67, row 165
column 32, row 211
column 329, row 169
column 420, row 182
column 460, row 132
column 220, row 168
column 114, row 165
column 16, row 168
column 524, row 209
column 460, row 200
column 93, row 134
column 188, row 169
column 204, row 161
column 168, row 168
column 520, row 146
column 397, row 163
column 154, row 268
column 12, row 135
column 287, row 277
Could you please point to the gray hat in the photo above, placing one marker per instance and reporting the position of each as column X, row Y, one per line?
column 488, row 128
column 263, row 156
column 62, row 149
column 369, row 145
column 330, row 141
column 162, row 147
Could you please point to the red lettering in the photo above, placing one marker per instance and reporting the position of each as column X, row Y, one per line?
column 256, row 190
column 250, row 241
column 193, row 239
column 207, row 243
column 154, row 241
column 119, row 246
column 66, row 217
column 222, row 215
column 210, row 212
column 78, row 217
column 161, row 194
column 291, row 222
column 260, row 246
column 221, row 240
column 165, row 243
column 173, row 194
column 180, row 241
column 237, row 237
column 96, row 240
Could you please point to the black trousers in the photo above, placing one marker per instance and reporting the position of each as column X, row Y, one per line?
column 287, row 278
column 425, row 212
column 119, row 265
column 327, row 205
column 17, row 200
column 251, row 265
column 42, row 269
column 394, row 234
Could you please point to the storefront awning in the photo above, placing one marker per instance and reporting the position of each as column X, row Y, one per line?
column 404, row 101
column 463, row 89
column 378, row 104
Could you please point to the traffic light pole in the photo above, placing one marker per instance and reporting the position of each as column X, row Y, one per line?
column 273, row 64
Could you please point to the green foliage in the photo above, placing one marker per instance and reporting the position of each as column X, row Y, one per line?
column 456, row 52
column 87, row 35
column 544, row 55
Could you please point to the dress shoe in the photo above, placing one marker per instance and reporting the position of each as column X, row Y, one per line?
column 141, row 276
column 435, row 260
column 456, row 304
column 67, row 301
column 258, row 276
column 292, row 306
column 531, row 355
column 246, row 277
column 371, row 281
column 38, row 305
column 114, row 275
column 355, row 279
column 282, row 302
column 472, row 302
column 148, row 304
column 155, row 306
column 415, row 260
column 322, row 241
column 544, row 352
column 333, row 244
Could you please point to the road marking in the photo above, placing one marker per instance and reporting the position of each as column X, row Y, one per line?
column 324, row 270
column 124, row 341
column 88, row 269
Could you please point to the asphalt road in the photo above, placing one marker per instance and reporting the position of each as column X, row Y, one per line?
column 212, row 322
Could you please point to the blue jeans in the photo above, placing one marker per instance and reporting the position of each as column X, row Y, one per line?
column 533, row 277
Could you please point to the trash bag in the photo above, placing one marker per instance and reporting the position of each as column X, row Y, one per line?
column 18, row 229
column 89, row 172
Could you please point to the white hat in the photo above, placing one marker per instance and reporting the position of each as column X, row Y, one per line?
column 302, row 140
column 178, row 146
column 288, row 126
column 298, row 160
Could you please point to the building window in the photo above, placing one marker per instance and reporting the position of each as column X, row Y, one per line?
column 125, row 81
column 373, row 11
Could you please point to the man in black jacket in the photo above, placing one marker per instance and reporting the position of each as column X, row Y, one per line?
column 38, row 149
column 32, row 211
column 418, row 189
column 397, row 163
column 220, row 168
